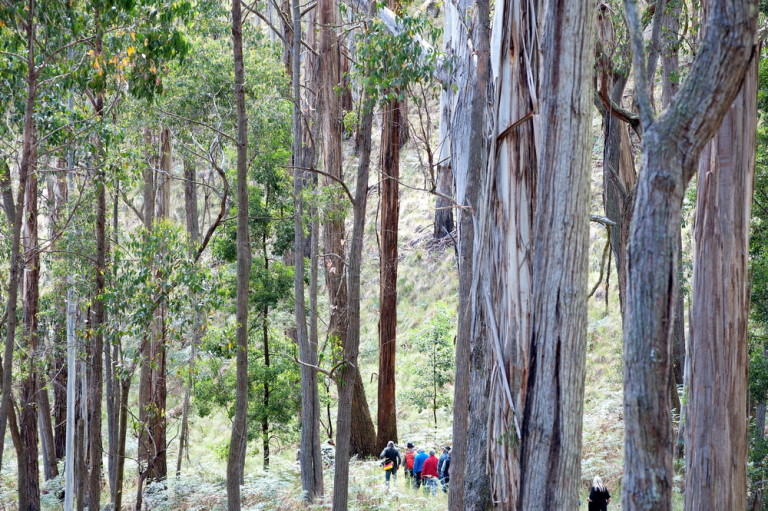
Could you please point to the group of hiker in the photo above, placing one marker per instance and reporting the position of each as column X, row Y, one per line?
column 421, row 469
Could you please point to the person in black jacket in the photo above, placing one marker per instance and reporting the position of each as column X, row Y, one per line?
column 444, row 467
column 390, row 455
column 599, row 497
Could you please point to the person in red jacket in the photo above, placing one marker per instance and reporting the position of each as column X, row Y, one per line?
column 429, row 472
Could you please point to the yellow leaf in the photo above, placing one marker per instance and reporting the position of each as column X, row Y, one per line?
column 131, row 50
column 133, row 36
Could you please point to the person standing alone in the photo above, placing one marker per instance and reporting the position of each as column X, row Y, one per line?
column 599, row 497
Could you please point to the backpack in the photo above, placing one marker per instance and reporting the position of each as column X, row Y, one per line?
column 409, row 456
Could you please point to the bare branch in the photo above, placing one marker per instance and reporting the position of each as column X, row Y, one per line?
column 334, row 178
column 204, row 125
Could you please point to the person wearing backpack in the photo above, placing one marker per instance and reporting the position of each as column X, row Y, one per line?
column 391, row 461
column 410, row 455
column 418, row 464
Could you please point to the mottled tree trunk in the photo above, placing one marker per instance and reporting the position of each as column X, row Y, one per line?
column 671, row 146
column 505, row 244
column 468, row 161
column 716, row 435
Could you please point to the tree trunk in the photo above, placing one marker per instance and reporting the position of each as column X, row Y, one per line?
column 193, row 231
column 111, row 355
column 505, row 258
column 152, row 386
column 717, row 423
column 50, row 465
column 619, row 175
column 28, row 394
column 552, row 421
column 468, row 160
column 149, row 181
column 310, row 456
column 27, row 163
column 72, row 356
column 239, row 424
column 57, row 194
column 671, row 146
column 670, row 76
column 619, row 178
column 443, row 204
column 363, row 436
column 125, row 386
column 348, row 371
column 98, row 325
column 390, row 214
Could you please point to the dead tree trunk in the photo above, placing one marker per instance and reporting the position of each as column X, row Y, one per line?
column 671, row 147
column 716, row 454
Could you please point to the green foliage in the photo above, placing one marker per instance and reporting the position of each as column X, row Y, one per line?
column 154, row 270
column 215, row 381
column 397, row 62
column 435, row 363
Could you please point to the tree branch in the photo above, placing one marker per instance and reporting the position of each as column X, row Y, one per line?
column 642, row 87
column 334, row 178
column 601, row 98
column 204, row 125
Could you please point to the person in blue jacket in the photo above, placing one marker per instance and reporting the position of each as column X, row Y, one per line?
column 418, row 464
